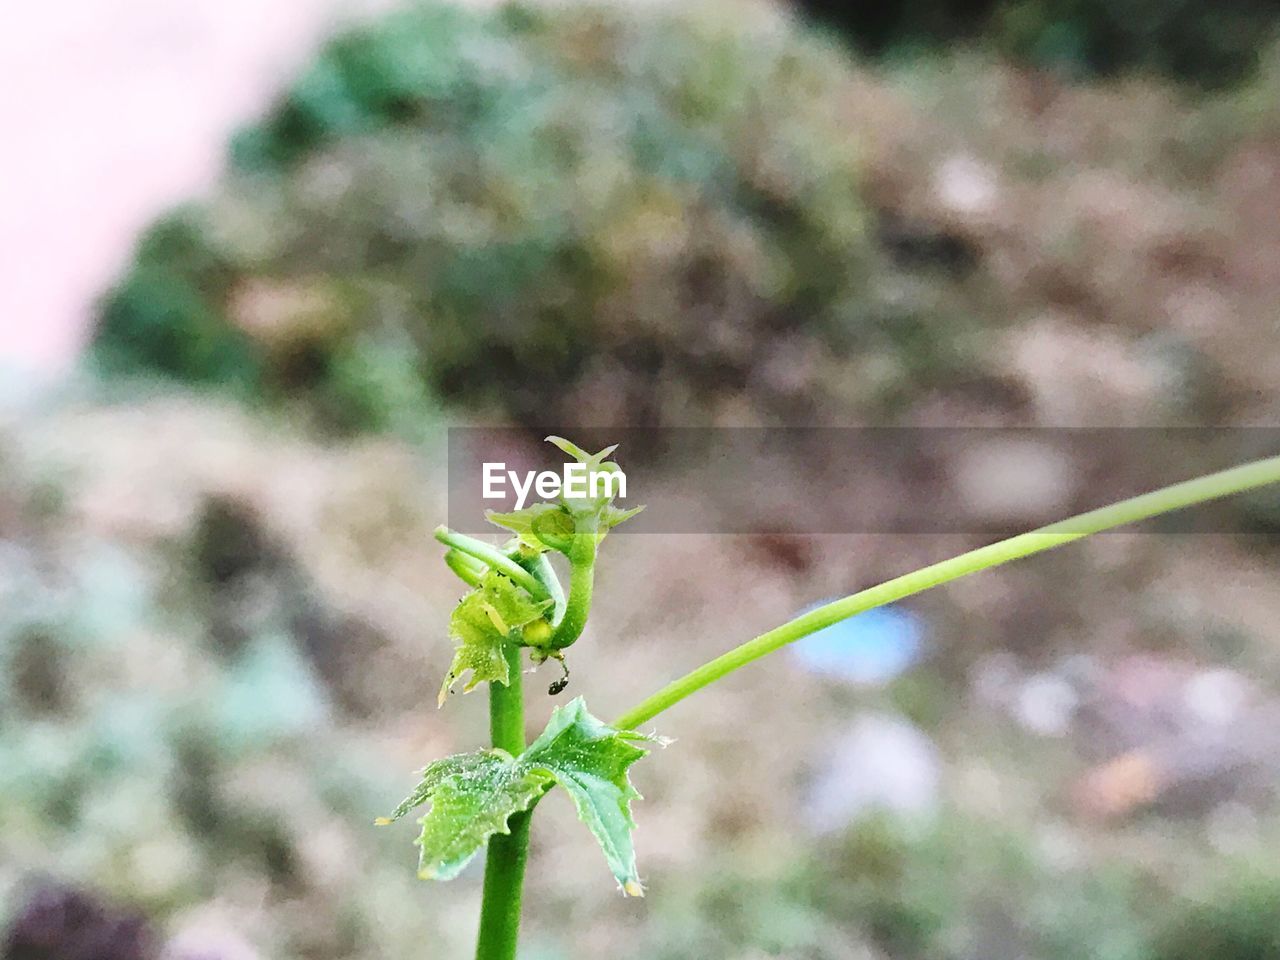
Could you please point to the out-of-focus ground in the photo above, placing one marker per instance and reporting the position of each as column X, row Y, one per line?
column 222, row 616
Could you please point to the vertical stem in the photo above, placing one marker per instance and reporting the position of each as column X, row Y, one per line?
column 506, row 855
column 506, row 707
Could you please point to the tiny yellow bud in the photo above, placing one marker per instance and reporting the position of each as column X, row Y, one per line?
column 496, row 619
column 382, row 821
column 632, row 889
column 537, row 632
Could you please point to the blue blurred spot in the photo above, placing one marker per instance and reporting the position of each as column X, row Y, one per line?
column 270, row 694
column 873, row 647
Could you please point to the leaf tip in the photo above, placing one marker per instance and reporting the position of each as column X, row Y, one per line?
column 632, row 888
column 382, row 822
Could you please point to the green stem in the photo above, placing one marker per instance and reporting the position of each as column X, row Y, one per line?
column 494, row 558
column 507, row 853
column 582, row 575
column 541, row 568
column 1214, row 486
column 470, row 570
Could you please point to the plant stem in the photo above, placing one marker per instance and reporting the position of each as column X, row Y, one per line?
column 470, row 570
column 494, row 558
column 582, row 575
column 505, row 858
column 1214, row 486
column 541, row 568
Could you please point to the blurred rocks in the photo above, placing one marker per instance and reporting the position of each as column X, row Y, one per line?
column 878, row 763
column 209, row 937
column 61, row 923
column 1157, row 732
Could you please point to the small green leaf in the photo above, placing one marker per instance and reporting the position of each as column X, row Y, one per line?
column 507, row 603
column 520, row 522
column 541, row 526
column 479, row 648
column 572, row 449
column 555, row 529
column 612, row 516
column 482, row 622
column 590, row 760
column 472, row 795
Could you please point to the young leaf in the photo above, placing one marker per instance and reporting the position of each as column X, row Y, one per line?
column 593, row 461
column 575, row 451
column 590, row 760
column 520, row 522
column 479, row 648
column 541, row 526
column 509, row 605
column 472, row 795
column 481, row 623
column 555, row 529
column 612, row 516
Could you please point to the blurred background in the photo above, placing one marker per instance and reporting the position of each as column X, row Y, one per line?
column 257, row 259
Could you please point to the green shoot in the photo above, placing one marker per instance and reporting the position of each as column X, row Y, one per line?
column 486, row 798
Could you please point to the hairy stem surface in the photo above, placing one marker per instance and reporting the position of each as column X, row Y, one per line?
column 1211, row 487
column 506, row 855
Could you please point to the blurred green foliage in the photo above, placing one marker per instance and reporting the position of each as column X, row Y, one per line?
column 167, row 737
column 955, row 888
column 1236, row 921
column 947, row 890
column 178, row 732
column 537, row 211
column 1202, row 41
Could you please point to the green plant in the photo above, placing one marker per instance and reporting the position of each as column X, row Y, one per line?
column 488, row 797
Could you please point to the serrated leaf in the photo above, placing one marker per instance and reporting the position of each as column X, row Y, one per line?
column 479, row 649
column 473, row 795
column 590, row 760
column 482, row 624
